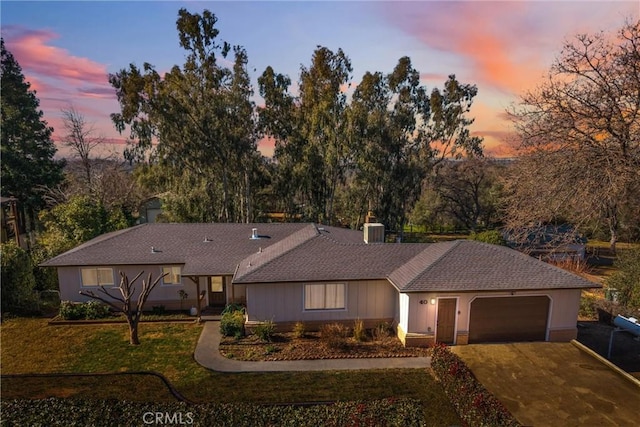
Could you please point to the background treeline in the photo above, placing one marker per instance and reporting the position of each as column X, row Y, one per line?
column 345, row 146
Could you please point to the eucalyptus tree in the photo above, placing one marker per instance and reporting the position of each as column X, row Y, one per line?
column 196, row 119
column 28, row 164
column 311, row 151
column 401, row 133
column 581, row 128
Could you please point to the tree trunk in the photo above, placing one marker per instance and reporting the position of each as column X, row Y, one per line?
column 613, row 228
column 133, row 333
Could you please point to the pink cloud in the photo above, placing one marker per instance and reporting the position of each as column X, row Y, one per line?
column 507, row 46
column 35, row 53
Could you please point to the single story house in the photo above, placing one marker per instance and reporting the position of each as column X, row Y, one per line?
column 455, row 292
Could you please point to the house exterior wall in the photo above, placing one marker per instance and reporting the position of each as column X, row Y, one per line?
column 283, row 303
column 422, row 314
column 69, row 279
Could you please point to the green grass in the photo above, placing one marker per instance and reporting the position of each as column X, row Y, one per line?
column 32, row 346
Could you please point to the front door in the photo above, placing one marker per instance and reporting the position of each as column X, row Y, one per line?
column 446, row 325
column 217, row 294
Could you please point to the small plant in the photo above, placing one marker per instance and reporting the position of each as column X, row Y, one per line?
column 265, row 330
column 381, row 331
column 299, row 330
column 271, row 349
column 359, row 333
column 334, row 335
column 183, row 296
column 232, row 324
column 230, row 308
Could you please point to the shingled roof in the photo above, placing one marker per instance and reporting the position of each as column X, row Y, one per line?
column 308, row 252
column 326, row 257
column 465, row 265
column 203, row 249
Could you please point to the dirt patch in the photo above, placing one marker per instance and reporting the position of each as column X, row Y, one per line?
column 625, row 351
column 286, row 346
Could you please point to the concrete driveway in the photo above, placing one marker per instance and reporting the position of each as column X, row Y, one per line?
column 552, row 384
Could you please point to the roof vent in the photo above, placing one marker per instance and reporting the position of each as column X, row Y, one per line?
column 154, row 250
column 207, row 240
column 254, row 234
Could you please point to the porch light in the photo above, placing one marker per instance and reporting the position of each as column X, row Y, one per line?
column 433, row 301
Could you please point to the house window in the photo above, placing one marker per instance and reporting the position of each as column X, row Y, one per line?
column 216, row 284
column 329, row 296
column 97, row 276
column 172, row 275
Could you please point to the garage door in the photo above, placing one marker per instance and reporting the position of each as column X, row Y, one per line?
column 508, row 319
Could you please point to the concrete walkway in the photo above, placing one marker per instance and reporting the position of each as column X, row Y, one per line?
column 208, row 355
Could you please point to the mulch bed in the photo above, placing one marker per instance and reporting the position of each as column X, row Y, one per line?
column 286, row 346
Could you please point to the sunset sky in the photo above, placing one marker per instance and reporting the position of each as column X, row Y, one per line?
column 67, row 49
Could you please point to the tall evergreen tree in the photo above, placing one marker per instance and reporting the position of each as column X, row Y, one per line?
column 28, row 166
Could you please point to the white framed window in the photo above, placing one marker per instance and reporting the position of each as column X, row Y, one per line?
column 97, row 276
column 173, row 276
column 326, row 296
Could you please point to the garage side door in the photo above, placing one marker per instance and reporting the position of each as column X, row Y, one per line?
column 508, row 319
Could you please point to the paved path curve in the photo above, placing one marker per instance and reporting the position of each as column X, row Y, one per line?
column 208, row 355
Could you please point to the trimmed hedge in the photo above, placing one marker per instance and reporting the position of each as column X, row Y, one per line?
column 62, row 412
column 474, row 404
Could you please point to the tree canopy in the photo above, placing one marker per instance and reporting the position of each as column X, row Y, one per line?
column 580, row 129
column 196, row 121
column 28, row 164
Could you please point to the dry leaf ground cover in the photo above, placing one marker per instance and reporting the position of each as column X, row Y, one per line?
column 289, row 346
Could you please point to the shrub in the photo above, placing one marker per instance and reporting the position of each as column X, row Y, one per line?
column 232, row 324
column 381, row 331
column 490, row 236
column 18, row 281
column 587, row 306
column 90, row 310
column 626, row 281
column 265, row 330
column 334, row 335
column 70, row 310
column 95, row 310
column 359, row 333
column 299, row 330
column 473, row 403
column 68, row 412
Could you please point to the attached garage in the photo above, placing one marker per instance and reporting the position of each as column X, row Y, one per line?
column 506, row 319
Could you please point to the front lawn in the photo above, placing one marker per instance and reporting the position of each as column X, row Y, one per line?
column 32, row 346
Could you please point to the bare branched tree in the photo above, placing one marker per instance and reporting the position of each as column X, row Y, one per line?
column 125, row 302
column 580, row 135
column 80, row 138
